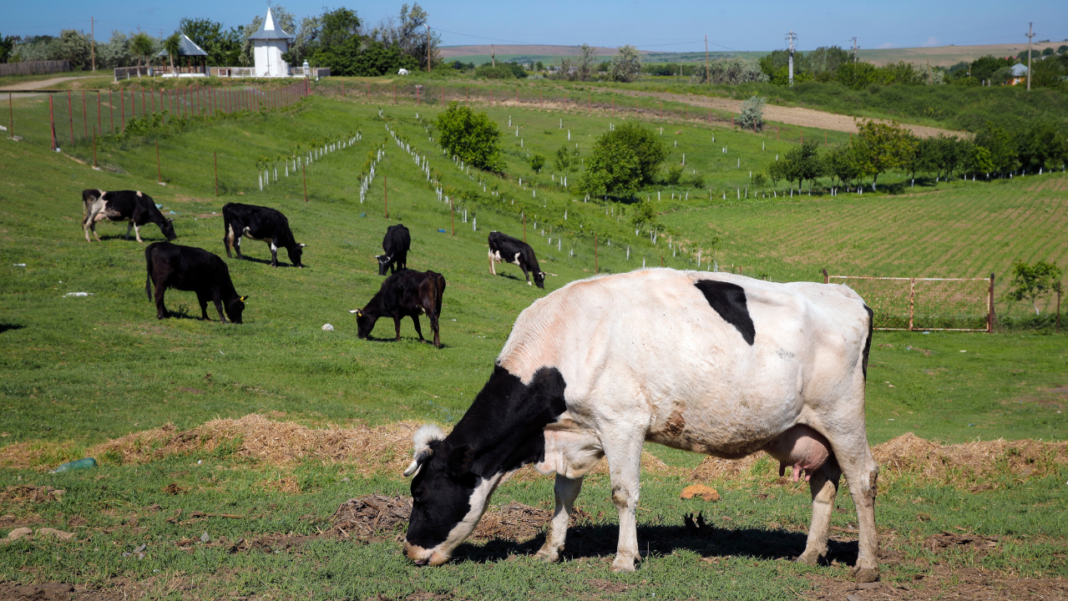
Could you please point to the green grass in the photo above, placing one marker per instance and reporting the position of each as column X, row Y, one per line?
column 78, row 371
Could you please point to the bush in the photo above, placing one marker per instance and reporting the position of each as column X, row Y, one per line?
column 697, row 180
column 471, row 136
column 537, row 162
column 759, row 180
column 752, row 115
column 674, row 174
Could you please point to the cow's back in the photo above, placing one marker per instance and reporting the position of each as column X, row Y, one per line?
column 650, row 345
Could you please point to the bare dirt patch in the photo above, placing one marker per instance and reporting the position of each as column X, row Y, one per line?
column 57, row 591
column 28, row 493
column 962, row 465
column 943, row 583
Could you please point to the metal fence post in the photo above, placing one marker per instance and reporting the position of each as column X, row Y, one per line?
column 52, row 120
column 912, row 300
column 826, row 278
column 990, row 307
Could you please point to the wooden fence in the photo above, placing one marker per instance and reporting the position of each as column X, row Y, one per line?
column 34, row 68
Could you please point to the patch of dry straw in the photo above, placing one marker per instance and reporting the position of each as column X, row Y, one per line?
column 909, row 456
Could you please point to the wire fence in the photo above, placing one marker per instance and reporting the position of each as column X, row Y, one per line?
column 54, row 118
column 951, row 304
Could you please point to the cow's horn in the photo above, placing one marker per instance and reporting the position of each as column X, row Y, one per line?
column 303, row 245
column 422, row 439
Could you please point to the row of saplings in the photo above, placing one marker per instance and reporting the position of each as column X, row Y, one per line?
column 405, row 293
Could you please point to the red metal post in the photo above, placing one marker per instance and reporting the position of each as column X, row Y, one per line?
column 52, row 120
column 216, row 173
column 826, row 278
column 111, row 110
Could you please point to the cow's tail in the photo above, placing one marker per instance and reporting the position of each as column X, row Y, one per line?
column 227, row 241
column 441, row 294
column 867, row 343
column 148, row 277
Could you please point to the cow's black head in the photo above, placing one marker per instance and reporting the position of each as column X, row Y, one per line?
column 167, row 227
column 364, row 323
column 448, row 498
column 235, row 307
column 295, row 253
column 383, row 263
column 539, row 279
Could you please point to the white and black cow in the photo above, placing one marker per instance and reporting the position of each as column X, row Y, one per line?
column 187, row 268
column 395, row 246
column 406, row 293
column 131, row 206
column 509, row 250
column 707, row 362
column 259, row 223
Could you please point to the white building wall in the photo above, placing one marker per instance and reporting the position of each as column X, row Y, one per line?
column 268, row 58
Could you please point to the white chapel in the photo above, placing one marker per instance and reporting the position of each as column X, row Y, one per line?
column 268, row 44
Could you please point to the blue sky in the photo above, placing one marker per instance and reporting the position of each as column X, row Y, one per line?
column 647, row 24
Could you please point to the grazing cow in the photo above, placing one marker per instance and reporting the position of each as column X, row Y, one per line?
column 506, row 248
column 396, row 245
column 404, row 294
column 402, row 71
column 187, row 268
column 259, row 223
column 707, row 362
column 130, row 206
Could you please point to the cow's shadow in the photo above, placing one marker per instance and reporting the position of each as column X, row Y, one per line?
column 4, row 327
column 183, row 312
column 146, row 239
column 404, row 339
column 263, row 261
column 601, row 540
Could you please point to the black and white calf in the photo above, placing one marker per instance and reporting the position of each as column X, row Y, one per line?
column 187, row 268
column 707, row 362
column 509, row 250
column 259, row 223
column 395, row 246
column 131, row 206
column 404, row 294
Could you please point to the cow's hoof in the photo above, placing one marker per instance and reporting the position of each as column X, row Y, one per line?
column 548, row 555
column 864, row 575
column 809, row 559
column 623, row 564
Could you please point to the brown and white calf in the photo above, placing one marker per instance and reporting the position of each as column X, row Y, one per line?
column 131, row 206
column 713, row 363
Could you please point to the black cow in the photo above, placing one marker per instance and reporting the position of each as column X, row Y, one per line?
column 396, row 244
column 259, row 223
column 406, row 293
column 136, row 208
column 509, row 250
column 187, row 268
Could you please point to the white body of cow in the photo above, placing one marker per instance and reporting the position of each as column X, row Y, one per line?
column 402, row 72
column 645, row 357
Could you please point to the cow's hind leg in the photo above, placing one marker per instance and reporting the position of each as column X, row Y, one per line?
column 203, row 300
column 161, row 311
column 824, row 487
column 137, row 232
column 854, row 457
column 623, row 449
column 567, row 490
column 418, row 330
column 396, row 325
column 129, row 226
column 493, row 268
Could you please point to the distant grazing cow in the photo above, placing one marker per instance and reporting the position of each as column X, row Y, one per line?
column 259, row 223
column 509, row 250
column 402, row 71
column 707, row 362
column 396, row 244
column 404, row 294
column 188, row 268
column 131, row 206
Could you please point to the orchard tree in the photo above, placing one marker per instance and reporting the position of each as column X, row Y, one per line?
column 882, row 146
column 1030, row 282
column 472, row 137
column 798, row 164
column 626, row 64
column 613, row 168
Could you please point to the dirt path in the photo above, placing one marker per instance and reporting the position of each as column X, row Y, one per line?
column 37, row 85
column 791, row 115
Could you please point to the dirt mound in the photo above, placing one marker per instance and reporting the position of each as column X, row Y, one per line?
column 950, row 540
column 57, row 591
column 28, row 493
column 909, row 455
column 513, row 522
column 370, row 516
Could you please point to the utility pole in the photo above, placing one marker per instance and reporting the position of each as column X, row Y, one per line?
column 791, row 37
column 493, row 55
column 708, row 78
column 92, row 37
column 1030, row 34
column 428, row 49
column 855, row 51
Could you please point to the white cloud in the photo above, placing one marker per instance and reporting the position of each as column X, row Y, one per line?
column 931, row 41
column 886, row 45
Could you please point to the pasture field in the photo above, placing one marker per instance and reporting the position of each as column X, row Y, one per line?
column 167, row 407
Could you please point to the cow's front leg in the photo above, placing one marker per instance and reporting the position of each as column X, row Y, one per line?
column 218, row 307
column 567, row 490
column 129, row 226
column 203, row 299
column 493, row 268
column 624, row 453
column 824, row 487
column 396, row 325
column 137, row 232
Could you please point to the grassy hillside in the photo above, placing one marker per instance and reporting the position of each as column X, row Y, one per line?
column 217, row 520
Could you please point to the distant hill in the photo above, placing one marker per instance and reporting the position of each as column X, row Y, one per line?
column 940, row 56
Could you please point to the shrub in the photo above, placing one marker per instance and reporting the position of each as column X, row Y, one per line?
column 537, row 162
column 471, row 136
column 674, row 174
column 752, row 115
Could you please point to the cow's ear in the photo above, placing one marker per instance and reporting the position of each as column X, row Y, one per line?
column 244, row 298
column 426, row 440
column 303, row 245
column 460, row 460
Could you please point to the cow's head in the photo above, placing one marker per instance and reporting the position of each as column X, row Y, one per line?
column 235, row 307
column 295, row 253
column 167, row 227
column 539, row 279
column 364, row 323
column 383, row 263
column 448, row 499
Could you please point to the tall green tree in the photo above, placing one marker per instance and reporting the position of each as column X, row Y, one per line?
column 1031, row 282
column 141, row 46
column 800, row 163
column 472, row 137
column 882, row 146
column 626, row 64
column 172, row 45
column 612, row 169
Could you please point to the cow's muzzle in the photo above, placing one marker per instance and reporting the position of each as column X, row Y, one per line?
column 423, row 557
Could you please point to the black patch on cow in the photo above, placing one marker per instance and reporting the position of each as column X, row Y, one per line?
column 502, row 431
column 729, row 301
column 867, row 343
